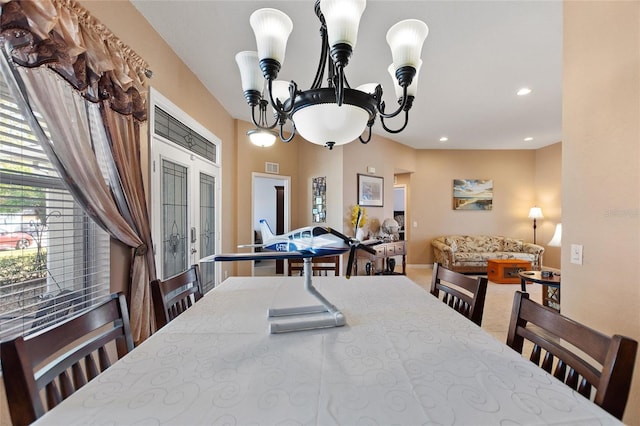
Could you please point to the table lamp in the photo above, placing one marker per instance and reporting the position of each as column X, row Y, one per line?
column 535, row 213
column 557, row 237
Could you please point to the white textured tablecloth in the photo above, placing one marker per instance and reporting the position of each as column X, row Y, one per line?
column 403, row 358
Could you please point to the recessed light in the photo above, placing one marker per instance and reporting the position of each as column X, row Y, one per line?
column 444, row 139
column 523, row 91
column 528, row 139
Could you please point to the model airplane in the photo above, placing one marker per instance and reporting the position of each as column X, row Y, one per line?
column 303, row 243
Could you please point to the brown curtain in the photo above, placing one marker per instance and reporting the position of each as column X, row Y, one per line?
column 99, row 156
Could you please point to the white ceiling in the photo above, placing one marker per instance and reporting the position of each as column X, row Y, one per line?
column 477, row 55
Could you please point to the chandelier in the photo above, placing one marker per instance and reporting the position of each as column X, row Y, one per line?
column 336, row 114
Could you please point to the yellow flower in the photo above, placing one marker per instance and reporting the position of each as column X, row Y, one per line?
column 354, row 215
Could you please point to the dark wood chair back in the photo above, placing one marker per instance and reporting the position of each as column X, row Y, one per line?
column 59, row 360
column 175, row 295
column 462, row 293
column 568, row 349
column 320, row 266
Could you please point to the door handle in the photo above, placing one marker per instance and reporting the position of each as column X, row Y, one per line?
column 193, row 234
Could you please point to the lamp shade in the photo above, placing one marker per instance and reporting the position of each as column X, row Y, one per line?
column 556, row 240
column 271, row 28
column 535, row 213
column 262, row 137
column 343, row 19
column 250, row 73
column 280, row 90
column 412, row 90
column 405, row 40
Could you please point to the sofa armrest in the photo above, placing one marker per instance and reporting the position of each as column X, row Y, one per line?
column 442, row 253
column 532, row 248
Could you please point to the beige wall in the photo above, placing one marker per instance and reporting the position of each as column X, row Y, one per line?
column 548, row 195
column 513, row 175
column 175, row 81
column 600, row 170
column 251, row 159
column 386, row 157
column 317, row 161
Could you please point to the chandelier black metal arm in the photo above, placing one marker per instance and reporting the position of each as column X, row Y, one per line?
column 406, row 117
column 369, row 126
column 407, row 74
column 315, row 110
column 282, row 120
column 261, row 122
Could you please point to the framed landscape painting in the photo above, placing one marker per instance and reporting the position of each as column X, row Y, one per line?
column 370, row 190
column 472, row 194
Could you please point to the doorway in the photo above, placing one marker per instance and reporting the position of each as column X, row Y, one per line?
column 400, row 208
column 270, row 201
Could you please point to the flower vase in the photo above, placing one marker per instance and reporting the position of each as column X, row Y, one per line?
column 360, row 234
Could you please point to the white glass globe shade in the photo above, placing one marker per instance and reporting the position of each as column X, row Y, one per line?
column 262, row 137
column 369, row 88
column 324, row 123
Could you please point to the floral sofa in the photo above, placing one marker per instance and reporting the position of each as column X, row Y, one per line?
column 469, row 253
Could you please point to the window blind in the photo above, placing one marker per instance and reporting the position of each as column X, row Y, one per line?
column 54, row 260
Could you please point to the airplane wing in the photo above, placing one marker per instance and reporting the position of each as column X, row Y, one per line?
column 264, row 255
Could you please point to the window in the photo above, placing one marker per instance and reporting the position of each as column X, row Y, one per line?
column 53, row 258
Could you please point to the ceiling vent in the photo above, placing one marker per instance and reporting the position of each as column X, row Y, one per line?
column 272, row 168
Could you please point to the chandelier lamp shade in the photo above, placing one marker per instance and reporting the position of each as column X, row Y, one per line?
column 336, row 114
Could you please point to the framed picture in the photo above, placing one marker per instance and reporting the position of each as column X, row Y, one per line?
column 370, row 190
column 472, row 194
column 319, row 201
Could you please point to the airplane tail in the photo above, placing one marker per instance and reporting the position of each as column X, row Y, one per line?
column 265, row 230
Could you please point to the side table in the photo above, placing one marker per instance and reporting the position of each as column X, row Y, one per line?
column 383, row 251
column 550, row 287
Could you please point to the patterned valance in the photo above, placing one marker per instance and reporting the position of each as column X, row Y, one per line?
column 62, row 35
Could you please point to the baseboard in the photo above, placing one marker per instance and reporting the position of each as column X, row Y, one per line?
column 421, row 266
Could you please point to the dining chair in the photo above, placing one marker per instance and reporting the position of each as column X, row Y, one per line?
column 320, row 266
column 175, row 295
column 461, row 292
column 56, row 308
column 570, row 349
column 58, row 360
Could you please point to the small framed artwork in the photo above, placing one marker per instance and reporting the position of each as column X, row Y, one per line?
column 319, row 199
column 370, row 190
column 472, row 194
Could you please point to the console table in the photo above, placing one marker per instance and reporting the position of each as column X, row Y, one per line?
column 550, row 287
column 383, row 252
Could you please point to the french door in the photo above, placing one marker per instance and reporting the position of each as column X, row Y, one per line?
column 185, row 203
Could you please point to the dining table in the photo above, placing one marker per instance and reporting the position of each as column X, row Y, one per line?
column 402, row 358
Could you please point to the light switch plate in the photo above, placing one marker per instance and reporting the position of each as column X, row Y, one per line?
column 576, row 254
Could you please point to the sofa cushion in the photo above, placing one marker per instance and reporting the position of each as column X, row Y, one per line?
column 451, row 242
column 511, row 244
column 482, row 257
column 478, row 243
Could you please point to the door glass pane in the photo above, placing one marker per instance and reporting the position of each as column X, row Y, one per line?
column 174, row 219
column 207, row 229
